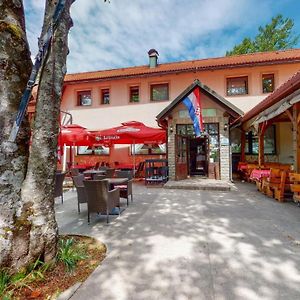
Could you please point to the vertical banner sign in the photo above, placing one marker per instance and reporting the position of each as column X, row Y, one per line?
column 44, row 46
column 193, row 104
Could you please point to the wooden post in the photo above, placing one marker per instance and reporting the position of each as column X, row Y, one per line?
column 243, row 144
column 296, row 137
column 261, row 147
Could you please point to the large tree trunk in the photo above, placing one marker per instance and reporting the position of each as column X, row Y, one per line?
column 34, row 228
column 38, row 187
column 15, row 66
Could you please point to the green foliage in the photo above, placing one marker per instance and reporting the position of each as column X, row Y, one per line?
column 277, row 35
column 21, row 279
column 70, row 254
column 4, row 280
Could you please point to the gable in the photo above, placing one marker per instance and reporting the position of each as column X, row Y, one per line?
column 210, row 94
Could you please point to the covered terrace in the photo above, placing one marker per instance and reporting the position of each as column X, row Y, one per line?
column 270, row 134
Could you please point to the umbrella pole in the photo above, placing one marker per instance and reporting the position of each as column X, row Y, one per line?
column 133, row 158
column 64, row 158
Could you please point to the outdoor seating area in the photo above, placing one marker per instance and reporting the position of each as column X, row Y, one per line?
column 273, row 179
column 101, row 190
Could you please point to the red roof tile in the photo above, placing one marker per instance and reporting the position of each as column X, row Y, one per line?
column 236, row 61
column 287, row 88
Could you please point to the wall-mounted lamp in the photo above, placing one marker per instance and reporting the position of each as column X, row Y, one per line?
column 171, row 128
column 225, row 127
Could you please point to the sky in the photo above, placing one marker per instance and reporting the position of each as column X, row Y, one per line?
column 119, row 33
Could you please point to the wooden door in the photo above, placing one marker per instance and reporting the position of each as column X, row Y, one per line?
column 181, row 159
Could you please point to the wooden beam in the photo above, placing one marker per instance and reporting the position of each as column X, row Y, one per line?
column 243, row 144
column 261, row 147
column 289, row 114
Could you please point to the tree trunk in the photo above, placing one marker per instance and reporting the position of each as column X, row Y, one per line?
column 15, row 66
column 38, row 187
column 33, row 228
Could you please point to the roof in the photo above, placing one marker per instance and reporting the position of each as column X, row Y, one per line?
column 284, row 90
column 230, row 108
column 236, row 61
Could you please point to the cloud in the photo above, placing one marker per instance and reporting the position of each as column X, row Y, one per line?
column 119, row 33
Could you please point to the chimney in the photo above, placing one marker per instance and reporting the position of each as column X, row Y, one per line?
column 153, row 57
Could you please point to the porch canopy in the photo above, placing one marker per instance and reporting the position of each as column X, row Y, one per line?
column 131, row 132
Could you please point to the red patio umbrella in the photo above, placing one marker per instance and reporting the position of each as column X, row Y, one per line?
column 132, row 132
column 75, row 135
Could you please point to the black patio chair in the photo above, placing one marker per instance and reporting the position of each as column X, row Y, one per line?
column 58, row 190
column 126, row 188
column 80, row 189
column 100, row 198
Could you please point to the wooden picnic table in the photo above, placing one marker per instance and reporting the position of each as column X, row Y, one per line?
column 257, row 174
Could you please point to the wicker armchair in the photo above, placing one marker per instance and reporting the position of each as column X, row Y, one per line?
column 58, row 190
column 110, row 172
column 74, row 172
column 125, row 189
column 80, row 189
column 100, row 198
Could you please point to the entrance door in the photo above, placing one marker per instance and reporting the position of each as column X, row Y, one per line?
column 198, row 162
column 181, row 161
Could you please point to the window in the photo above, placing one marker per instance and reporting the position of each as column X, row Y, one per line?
column 237, row 86
column 148, row 149
column 268, row 83
column 134, row 94
column 84, row 98
column 105, row 96
column 251, row 146
column 159, row 92
column 96, row 150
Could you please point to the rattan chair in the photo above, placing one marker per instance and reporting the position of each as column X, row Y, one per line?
column 100, row 198
column 58, row 190
column 80, row 189
column 74, row 172
column 110, row 172
column 125, row 189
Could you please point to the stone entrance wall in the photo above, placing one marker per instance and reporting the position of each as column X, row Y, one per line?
column 225, row 159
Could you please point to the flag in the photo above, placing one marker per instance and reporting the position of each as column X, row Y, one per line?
column 192, row 102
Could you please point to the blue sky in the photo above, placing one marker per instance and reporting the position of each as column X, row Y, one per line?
column 119, row 33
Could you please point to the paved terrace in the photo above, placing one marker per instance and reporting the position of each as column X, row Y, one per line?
column 193, row 244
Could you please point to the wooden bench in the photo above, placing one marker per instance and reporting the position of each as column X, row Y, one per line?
column 268, row 183
column 295, row 186
column 248, row 170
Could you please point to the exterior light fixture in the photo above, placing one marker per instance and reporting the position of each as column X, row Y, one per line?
column 171, row 128
column 225, row 127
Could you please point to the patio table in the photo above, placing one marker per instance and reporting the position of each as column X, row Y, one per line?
column 116, row 181
column 92, row 173
column 257, row 174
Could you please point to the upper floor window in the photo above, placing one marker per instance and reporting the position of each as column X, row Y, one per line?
column 134, row 94
column 237, row 86
column 84, row 98
column 159, row 92
column 105, row 96
column 268, row 83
